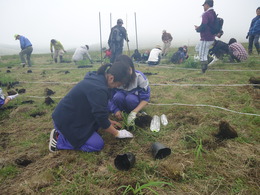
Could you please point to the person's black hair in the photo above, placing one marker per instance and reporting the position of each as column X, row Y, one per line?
column 87, row 47
column 258, row 8
column 120, row 71
column 232, row 40
column 180, row 49
column 53, row 41
column 128, row 60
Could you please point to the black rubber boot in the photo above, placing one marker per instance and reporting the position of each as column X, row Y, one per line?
column 55, row 60
column 61, row 60
column 204, row 66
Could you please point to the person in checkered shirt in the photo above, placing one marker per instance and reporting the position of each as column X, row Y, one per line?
column 236, row 51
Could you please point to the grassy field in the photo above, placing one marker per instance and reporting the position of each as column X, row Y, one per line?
column 194, row 103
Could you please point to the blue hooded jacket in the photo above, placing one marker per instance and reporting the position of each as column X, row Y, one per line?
column 83, row 110
column 24, row 42
column 255, row 26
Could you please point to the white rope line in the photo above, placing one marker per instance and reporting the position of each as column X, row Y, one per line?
column 197, row 69
column 177, row 104
column 154, row 84
column 48, row 82
column 158, row 66
column 204, row 105
column 41, row 97
column 207, row 85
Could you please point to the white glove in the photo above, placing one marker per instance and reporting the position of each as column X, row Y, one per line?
column 124, row 134
column 131, row 117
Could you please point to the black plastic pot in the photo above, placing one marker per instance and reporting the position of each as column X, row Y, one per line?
column 124, row 161
column 159, row 151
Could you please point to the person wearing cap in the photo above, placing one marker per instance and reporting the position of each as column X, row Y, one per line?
column 206, row 36
column 27, row 49
column 116, row 40
column 166, row 39
column 155, row 56
column 254, row 33
column 58, row 50
column 81, row 53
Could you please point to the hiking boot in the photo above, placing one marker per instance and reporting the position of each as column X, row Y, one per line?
column 53, row 141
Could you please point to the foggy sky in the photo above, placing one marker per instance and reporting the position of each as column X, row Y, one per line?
column 76, row 22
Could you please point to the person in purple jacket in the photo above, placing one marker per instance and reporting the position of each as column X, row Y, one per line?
column 206, row 37
column 132, row 97
column 83, row 111
column 27, row 49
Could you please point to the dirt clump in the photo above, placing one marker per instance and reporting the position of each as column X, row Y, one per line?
column 48, row 92
column 28, row 102
column 8, row 71
column 37, row 114
column 226, row 131
column 255, row 80
column 29, row 71
column 21, row 90
column 11, row 92
column 48, row 101
column 23, row 161
column 143, row 121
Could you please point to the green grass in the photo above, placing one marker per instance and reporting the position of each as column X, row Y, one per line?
column 198, row 163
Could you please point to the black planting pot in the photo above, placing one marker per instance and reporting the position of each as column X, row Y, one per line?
column 125, row 161
column 159, row 151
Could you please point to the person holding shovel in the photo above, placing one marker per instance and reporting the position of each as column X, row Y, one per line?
column 83, row 111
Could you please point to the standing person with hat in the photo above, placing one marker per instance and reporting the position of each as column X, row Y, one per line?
column 254, row 33
column 155, row 56
column 166, row 39
column 116, row 40
column 27, row 49
column 58, row 50
column 206, row 36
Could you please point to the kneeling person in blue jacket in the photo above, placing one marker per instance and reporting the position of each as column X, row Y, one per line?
column 83, row 111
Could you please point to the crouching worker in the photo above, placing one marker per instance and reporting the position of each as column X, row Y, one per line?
column 83, row 111
column 3, row 100
column 132, row 97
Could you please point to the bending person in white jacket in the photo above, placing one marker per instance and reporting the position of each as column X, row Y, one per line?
column 81, row 53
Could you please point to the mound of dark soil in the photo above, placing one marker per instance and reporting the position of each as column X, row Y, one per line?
column 21, row 90
column 23, row 161
column 67, row 72
column 7, row 107
column 28, row 102
column 143, row 121
column 150, row 73
column 48, row 101
column 254, row 80
column 36, row 114
column 11, row 92
column 85, row 66
column 8, row 71
column 4, row 139
column 9, row 67
column 48, row 92
column 29, row 71
column 226, row 131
